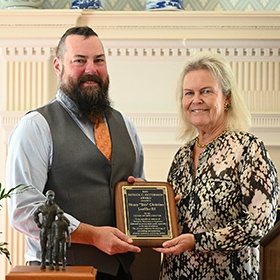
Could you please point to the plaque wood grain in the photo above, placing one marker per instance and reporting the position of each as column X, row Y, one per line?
column 36, row 273
column 122, row 209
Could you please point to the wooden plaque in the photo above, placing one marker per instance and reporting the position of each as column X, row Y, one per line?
column 146, row 212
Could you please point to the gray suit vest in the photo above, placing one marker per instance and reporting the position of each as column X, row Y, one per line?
column 83, row 180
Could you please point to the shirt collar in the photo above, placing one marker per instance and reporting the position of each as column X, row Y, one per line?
column 68, row 103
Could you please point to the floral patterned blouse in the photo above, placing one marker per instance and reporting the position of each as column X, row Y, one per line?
column 229, row 205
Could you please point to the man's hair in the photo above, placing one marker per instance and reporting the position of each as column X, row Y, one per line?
column 79, row 30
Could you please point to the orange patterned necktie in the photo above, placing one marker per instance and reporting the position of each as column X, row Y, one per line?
column 102, row 139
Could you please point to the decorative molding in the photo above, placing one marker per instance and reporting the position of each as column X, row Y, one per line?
column 142, row 24
column 132, row 50
column 248, row 50
column 256, row 53
column 185, row 24
column 266, row 120
column 250, row 41
column 27, row 53
column 161, row 129
column 256, row 66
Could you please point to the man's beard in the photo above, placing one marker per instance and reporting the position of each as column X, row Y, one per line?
column 92, row 102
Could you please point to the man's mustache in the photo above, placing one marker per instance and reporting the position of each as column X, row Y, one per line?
column 91, row 78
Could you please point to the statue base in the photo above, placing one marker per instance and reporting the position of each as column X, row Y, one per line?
column 36, row 273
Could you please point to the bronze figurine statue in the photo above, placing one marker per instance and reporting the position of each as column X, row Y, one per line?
column 59, row 232
column 53, row 232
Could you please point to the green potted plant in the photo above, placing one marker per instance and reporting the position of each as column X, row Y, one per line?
column 7, row 194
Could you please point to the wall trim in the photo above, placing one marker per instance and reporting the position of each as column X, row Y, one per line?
column 142, row 24
column 140, row 39
column 161, row 129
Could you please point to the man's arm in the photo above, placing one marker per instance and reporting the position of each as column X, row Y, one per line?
column 28, row 163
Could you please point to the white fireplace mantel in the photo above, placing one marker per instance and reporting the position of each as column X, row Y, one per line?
column 148, row 41
column 30, row 24
column 146, row 51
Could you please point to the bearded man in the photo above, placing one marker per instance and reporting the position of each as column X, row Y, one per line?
column 54, row 147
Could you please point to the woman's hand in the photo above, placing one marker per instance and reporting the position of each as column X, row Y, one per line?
column 177, row 245
column 178, row 198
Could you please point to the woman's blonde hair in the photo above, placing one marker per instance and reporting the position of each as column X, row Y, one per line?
column 238, row 115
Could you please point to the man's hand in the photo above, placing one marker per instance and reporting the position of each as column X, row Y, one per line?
column 132, row 179
column 110, row 240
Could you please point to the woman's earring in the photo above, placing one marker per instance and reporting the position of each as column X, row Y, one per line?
column 227, row 106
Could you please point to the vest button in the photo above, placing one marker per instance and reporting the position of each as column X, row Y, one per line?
column 108, row 167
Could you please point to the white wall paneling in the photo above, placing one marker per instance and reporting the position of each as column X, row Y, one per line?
column 146, row 52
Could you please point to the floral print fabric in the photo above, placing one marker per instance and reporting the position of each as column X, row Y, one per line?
column 229, row 205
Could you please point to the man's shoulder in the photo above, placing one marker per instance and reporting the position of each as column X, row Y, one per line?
column 52, row 105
